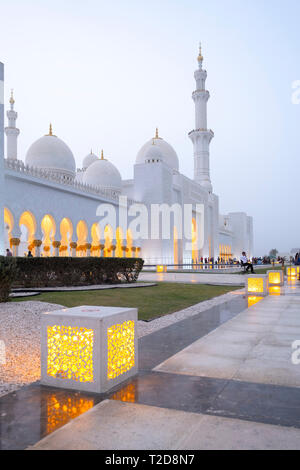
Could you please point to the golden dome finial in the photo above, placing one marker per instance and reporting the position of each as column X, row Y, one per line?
column 102, row 155
column 157, row 135
column 12, row 100
column 50, row 131
column 200, row 56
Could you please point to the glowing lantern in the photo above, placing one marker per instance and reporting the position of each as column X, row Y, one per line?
column 257, row 285
column 293, row 271
column 161, row 269
column 89, row 348
column 276, row 278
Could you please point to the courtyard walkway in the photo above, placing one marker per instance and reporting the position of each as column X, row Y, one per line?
column 224, row 380
column 195, row 278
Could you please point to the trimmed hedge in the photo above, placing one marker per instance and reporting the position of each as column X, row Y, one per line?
column 8, row 273
column 61, row 272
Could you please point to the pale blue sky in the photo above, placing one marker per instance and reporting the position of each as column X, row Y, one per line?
column 107, row 73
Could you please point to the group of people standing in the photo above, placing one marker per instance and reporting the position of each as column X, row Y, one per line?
column 9, row 253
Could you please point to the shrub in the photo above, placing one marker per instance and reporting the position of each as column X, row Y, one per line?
column 8, row 272
column 61, row 272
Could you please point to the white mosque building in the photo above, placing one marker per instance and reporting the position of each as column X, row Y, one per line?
column 51, row 208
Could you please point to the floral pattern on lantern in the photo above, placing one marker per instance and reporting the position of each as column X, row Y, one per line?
column 70, row 353
column 120, row 347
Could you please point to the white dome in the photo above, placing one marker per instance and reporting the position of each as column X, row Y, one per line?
column 168, row 154
column 88, row 160
column 51, row 153
column 103, row 173
column 153, row 153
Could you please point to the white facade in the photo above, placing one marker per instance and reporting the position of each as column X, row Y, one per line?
column 54, row 210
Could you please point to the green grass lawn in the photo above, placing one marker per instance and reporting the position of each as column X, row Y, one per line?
column 152, row 302
column 265, row 270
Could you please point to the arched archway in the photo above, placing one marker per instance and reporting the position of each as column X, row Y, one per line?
column 48, row 228
column 96, row 237
column 82, row 234
column 66, row 232
column 119, row 239
column 8, row 224
column 194, row 242
column 176, row 247
column 108, row 237
column 27, row 225
column 129, row 243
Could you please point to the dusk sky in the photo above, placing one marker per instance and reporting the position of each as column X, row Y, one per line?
column 106, row 74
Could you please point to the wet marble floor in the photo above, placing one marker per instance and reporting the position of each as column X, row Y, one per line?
column 28, row 415
column 216, row 402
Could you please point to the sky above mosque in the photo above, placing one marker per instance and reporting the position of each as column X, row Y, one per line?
column 106, row 74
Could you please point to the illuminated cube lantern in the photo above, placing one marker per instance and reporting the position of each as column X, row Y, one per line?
column 257, row 285
column 293, row 271
column 89, row 348
column 276, row 278
column 162, row 269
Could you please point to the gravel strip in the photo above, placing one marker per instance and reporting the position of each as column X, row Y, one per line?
column 20, row 331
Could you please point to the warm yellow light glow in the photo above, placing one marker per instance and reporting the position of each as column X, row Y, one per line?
column 8, row 221
column 108, row 237
column 274, row 290
column 161, row 269
column 129, row 243
column 126, row 394
column 120, row 349
column 96, row 236
column 66, row 231
column 119, row 239
column 253, row 300
column 275, row 278
column 256, row 285
column 60, row 410
column 70, row 353
column 48, row 228
column 293, row 271
column 194, row 241
column 82, row 234
column 176, row 246
column 28, row 220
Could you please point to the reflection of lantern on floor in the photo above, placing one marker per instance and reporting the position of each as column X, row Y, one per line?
column 257, row 285
column 89, row 348
column 275, row 290
column 61, row 409
column 253, row 300
column 276, row 278
column 127, row 394
column 293, row 271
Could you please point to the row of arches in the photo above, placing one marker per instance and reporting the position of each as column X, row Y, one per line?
column 225, row 253
column 63, row 239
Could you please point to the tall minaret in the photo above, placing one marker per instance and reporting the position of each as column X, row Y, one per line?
column 2, row 188
column 12, row 133
column 201, row 136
